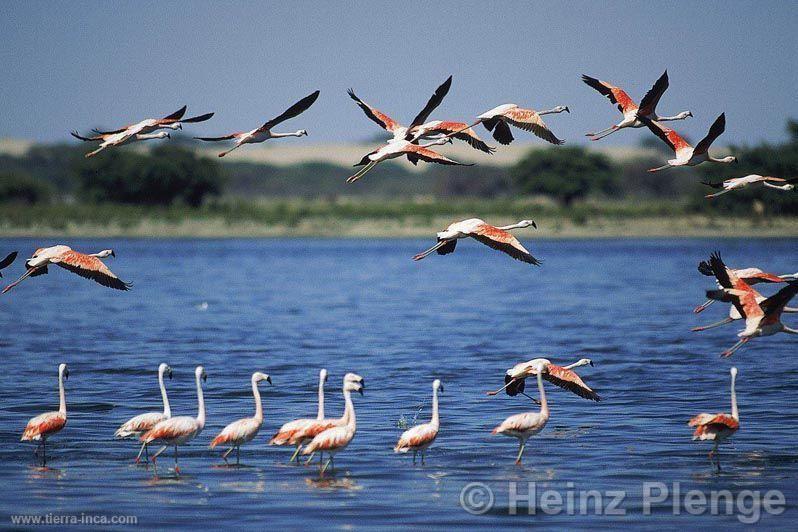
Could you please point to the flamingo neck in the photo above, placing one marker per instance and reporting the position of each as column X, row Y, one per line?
column 200, row 404
column 167, row 410
column 680, row 116
column 349, row 410
column 576, row 364
column 61, row 394
column 789, row 330
column 435, row 420
column 544, row 405
column 283, row 135
column 511, row 226
column 735, row 414
column 258, row 403
column 320, row 415
column 550, row 111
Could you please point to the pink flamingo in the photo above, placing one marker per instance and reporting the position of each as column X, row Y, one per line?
column 244, row 430
column 420, row 437
column 562, row 376
column 685, row 154
column 286, row 435
column 45, row 425
column 717, row 427
column 495, row 237
column 138, row 425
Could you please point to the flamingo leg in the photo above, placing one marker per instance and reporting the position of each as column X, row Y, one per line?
column 226, row 454
column 712, row 325
column 296, row 453
column 530, row 397
column 44, row 452
column 177, row 467
column 360, row 173
column 310, row 458
column 598, row 132
column 423, row 254
column 238, row 455
column 95, row 152
column 414, row 456
column 700, row 308
column 142, row 450
column 601, row 135
column 323, row 469
column 521, row 445
column 716, row 194
column 663, row 167
column 503, row 387
column 228, row 151
column 422, row 458
column 729, row 352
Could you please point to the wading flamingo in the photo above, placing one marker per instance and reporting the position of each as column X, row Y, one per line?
column 717, row 427
column 336, row 439
column 7, row 261
column 686, row 155
column 138, row 425
column 499, row 119
column 738, row 183
column 420, row 437
column 118, row 139
column 750, row 276
column 562, row 376
column 761, row 319
column 149, row 125
column 182, row 429
column 522, row 426
column 398, row 148
column 243, row 430
column 264, row 132
column 627, row 106
column 44, row 425
column 286, row 434
column 88, row 266
column 494, row 237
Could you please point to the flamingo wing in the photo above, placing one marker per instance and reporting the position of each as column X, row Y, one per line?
column 170, row 429
column 425, row 154
column 775, row 303
column 237, row 431
column 91, row 268
column 569, row 380
column 216, row 139
column 176, row 116
column 6, row 262
column 666, row 134
column 716, row 130
column 43, row 425
column 329, row 439
column 464, row 133
column 377, row 116
column 616, row 95
column 501, row 131
column 709, row 423
column 503, row 241
column 529, row 120
column 139, row 424
column 418, row 436
column 434, row 101
column 312, row 430
column 648, row 105
column 295, row 110
column 88, row 139
column 190, row 120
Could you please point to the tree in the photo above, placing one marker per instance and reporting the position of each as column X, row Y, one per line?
column 567, row 174
column 20, row 187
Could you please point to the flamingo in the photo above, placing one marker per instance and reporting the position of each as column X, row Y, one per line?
column 89, row 266
column 686, row 155
column 286, row 434
column 523, row 426
column 148, row 125
column 336, row 439
column 243, row 430
column 717, row 427
column 494, row 237
column 499, row 119
column 118, row 139
column 420, row 437
column 629, row 108
column 7, row 261
column 735, row 315
column 182, row 429
column 750, row 276
column 421, row 130
column 741, row 182
column 264, row 132
column 761, row 319
column 397, row 148
column 138, row 425
column 45, row 425
column 562, row 376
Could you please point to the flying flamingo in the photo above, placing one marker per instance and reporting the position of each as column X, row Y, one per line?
column 138, row 425
column 288, row 431
column 88, row 266
column 173, row 121
column 686, row 155
column 7, row 261
column 629, row 108
column 336, row 439
column 761, row 319
column 118, row 139
column 45, row 425
column 738, row 183
column 494, row 237
column 562, row 376
column 717, row 427
column 264, row 132
column 735, row 315
column 499, row 119
column 522, row 426
column 397, row 148
column 182, row 429
column 420, row 437
column 750, row 276
column 243, row 430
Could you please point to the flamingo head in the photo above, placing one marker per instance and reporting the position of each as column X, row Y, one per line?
column 199, row 373
column 302, row 133
column 323, row 375
column 165, row 369
column 527, row 223
column 561, row 108
column 353, row 386
column 260, row 376
column 437, row 385
column 63, row 370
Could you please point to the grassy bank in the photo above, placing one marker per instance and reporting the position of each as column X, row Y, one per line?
column 377, row 218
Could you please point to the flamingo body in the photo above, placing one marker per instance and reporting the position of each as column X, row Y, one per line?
column 495, row 237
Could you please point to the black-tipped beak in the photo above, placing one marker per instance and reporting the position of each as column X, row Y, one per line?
column 360, row 390
column 66, row 374
column 113, row 254
column 440, row 388
column 269, row 379
column 180, row 126
column 534, row 224
column 204, row 378
column 170, row 374
column 169, row 135
column 591, row 363
column 567, row 110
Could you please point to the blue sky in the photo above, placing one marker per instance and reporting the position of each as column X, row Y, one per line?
column 81, row 64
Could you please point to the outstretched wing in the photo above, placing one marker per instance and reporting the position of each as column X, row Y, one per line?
column 501, row 240
column 569, row 380
column 6, row 262
column 215, row 139
column 717, row 129
column 529, row 120
column 91, row 268
column 713, row 185
column 775, row 303
column 176, row 116
column 434, row 101
column 501, row 131
column 649, row 102
column 464, row 133
column 86, row 139
column 666, row 134
column 615, row 94
column 425, row 154
column 377, row 116
column 297, row 109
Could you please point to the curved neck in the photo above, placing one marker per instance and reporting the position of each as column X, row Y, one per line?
column 789, row 330
column 544, row 405
column 61, row 394
column 320, row 415
column 258, row 403
column 200, row 404
column 167, row 411
column 735, row 414
column 435, row 420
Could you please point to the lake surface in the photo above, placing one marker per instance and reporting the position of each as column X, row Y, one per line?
column 291, row 307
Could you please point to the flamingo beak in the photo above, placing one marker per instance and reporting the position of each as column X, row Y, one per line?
column 567, row 110
column 170, row 374
column 269, row 379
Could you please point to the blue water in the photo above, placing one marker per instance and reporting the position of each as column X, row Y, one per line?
column 290, row 307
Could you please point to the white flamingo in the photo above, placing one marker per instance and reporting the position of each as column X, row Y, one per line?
column 420, row 437
column 738, row 183
column 138, row 425
column 118, row 139
column 244, row 430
